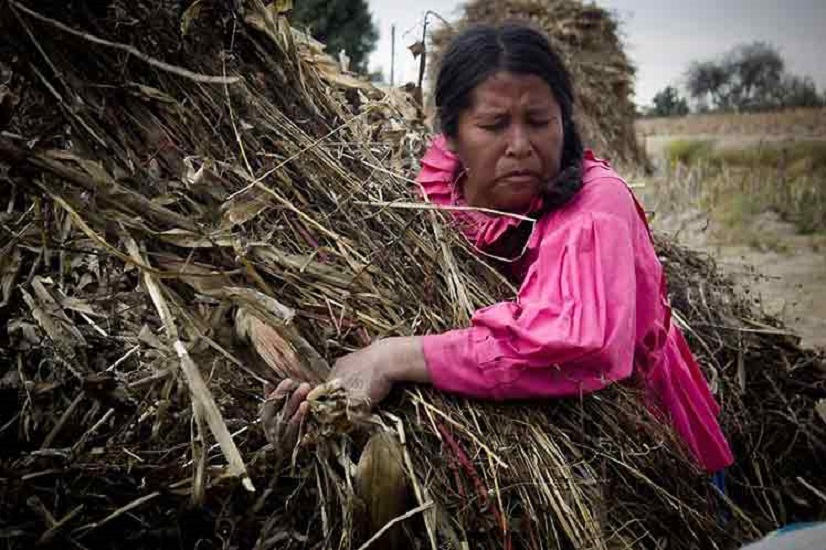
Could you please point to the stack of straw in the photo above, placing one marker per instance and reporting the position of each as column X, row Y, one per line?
column 191, row 209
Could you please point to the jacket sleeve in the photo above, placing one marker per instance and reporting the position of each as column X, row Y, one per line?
column 569, row 332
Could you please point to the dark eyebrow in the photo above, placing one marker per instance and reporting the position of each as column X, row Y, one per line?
column 490, row 113
column 543, row 106
column 541, row 112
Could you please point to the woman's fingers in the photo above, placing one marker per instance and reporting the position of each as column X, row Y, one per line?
column 272, row 411
column 298, row 397
column 285, row 408
column 289, row 429
column 269, row 418
column 285, row 388
column 300, row 414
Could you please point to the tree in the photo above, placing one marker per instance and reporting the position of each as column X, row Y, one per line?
column 798, row 92
column 748, row 77
column 341, row 25
column 668, row 102
column 708, row 81
column 756, row 72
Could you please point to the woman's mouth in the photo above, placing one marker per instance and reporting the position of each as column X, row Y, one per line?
column 520, row 176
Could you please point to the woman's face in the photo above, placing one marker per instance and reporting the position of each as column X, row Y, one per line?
column 510, row 141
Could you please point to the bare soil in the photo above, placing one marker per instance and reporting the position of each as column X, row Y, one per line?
column 786, row 274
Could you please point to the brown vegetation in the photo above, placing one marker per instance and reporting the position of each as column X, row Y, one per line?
column 787, row 124
column 168, row 196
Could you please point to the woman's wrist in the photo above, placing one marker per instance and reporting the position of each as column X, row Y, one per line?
column 406, row 361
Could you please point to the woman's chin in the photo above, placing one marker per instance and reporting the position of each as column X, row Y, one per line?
column 507, row 200
column 519, row 205
column 518, row 200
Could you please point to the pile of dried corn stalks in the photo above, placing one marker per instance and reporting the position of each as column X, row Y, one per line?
column 189, row 202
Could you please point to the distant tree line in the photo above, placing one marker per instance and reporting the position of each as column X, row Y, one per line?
column 750, row 77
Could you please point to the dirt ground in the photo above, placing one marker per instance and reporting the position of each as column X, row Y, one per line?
column 782, row 269
column 789, row 282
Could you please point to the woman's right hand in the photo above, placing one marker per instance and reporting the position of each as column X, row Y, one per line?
column 283, row 412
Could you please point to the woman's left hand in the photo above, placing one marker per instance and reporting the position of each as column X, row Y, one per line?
column 283, row 412
column 369, row 374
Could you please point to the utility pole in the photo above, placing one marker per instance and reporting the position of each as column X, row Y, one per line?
column 423, row 60
column 393, row 55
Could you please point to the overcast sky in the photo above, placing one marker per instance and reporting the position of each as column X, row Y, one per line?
column 662, row 36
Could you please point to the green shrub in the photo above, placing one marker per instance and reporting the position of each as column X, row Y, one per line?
column 800, row 156
column 737, row 184
column 688, row 151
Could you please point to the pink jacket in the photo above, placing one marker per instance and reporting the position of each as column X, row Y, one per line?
column 591, row 308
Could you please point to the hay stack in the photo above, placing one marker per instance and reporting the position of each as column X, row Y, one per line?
column 179, row 186
column 587, row 38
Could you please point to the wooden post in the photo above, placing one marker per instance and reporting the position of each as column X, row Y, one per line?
column 393, row 55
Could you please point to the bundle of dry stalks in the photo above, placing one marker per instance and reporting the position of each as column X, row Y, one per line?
column 192, row 209
column 587, row 38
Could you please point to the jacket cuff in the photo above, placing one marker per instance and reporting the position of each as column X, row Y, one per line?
column 452, row 365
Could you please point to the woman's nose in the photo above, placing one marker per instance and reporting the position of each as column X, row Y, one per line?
column 518, row 145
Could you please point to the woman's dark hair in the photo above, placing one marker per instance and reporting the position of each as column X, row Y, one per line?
column 479, row 52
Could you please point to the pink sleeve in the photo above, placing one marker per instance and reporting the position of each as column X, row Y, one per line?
column 570, row 330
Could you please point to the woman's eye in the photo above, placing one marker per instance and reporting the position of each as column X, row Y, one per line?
column 494, row 126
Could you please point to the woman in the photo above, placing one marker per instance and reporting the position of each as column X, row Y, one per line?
column 591, row 308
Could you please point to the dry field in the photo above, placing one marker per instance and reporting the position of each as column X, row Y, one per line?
column 750, row 190
column 798, row 123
